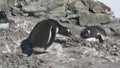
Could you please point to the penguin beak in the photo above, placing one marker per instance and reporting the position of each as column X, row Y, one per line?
column 71, row 36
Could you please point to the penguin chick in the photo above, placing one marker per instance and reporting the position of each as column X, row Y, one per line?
column 94, row 33
column 42, row 36
column 4, row 22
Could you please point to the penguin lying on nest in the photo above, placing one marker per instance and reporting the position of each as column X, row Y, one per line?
column 94, row 33
column 4, row 22
column 42, row 36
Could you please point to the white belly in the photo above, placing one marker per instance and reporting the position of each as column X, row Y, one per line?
column 4, row 25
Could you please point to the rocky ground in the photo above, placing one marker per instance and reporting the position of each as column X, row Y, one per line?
column 75, row 14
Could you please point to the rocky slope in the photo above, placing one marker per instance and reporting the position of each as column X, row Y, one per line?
column 75, row 14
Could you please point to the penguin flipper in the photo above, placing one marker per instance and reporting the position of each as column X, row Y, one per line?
column 53, row 34
column 26, row 48
column 101, row 38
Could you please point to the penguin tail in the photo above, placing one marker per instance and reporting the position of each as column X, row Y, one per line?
column 26, row 48
column 101, row 38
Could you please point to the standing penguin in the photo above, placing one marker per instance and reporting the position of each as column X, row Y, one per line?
column 4, row 22
column 42, row 36
column 94, row 33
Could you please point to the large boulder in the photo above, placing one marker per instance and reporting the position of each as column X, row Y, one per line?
column 99, row 7
column 90, row 5
column 114, row 26
column 44, row 6
column 93, row 19
column 57, row 13
column 76, row 6
column 52, row 4
column 87, row 19
column 34, row 7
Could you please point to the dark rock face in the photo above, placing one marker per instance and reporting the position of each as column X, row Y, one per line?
column 74, row 14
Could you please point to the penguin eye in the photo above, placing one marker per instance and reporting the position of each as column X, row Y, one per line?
column 88, row 31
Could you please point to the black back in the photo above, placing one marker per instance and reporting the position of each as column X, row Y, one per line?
column 40, row 33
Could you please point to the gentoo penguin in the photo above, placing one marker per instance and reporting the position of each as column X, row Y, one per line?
column 94, row 33
column 42, row 36
column 4, row 22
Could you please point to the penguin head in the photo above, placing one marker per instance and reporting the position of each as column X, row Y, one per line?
column 2, row 15
column 85, row 33
column 4, row 18
column 66, row 32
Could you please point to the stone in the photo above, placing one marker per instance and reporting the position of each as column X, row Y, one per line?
column 57, row 13
column 54, row 5
column 93, row 19
column 4, row 6
column 87, row 3
column 76, row 6
column 113, row 27
column 16, row 11
column 34, row 7
column 38, row 14
column 51, row 4
column 72, row 16
column 99, row 7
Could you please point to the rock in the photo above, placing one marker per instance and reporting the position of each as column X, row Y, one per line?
column 101, row 18
column 39, row 14
column 4, row 6
column 114, row 27
column 57, row 13
column 16, row 11
column 93, row 19
column 87, row 3
column 51, row 4
column 96, row 7
column 64, row 20
column 54, row 5
column 76, row 6
column 99, row 7
column 34, row 7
